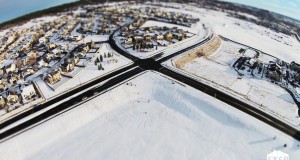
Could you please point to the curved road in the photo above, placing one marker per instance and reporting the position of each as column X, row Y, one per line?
column 124, row 74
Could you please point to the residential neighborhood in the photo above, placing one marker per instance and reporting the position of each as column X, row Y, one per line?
column 150, row 38
column 58, row 51
column 18, row 96
column 286, row 75
column 206, row 79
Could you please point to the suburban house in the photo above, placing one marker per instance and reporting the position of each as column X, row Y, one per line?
column 2, row 71
column 168, row 36
column 28, row 92
column 86, row 48
column 273, row 75
column 42, row 63
column 75, row 59
column 27, row 72
column 82, row 54
column 297, row 78
column 51, row 46
column 296, row 67
column 10, row 68
column 131, row 27
column 125, row 30
column 69, row 64
column 80, row 37
column 64, row 48
column 48, row 58
column 275, row 67
column 4, row 80
column 67, row 67
column 178, row 36
column 103, row 31
column 43, row 40
column 12, row 98
column 53, row 77
column 13, row 78
column 128, row 40
column 147, row 38
column 92, row 44
column 56, row 52
column 19, row 64
column 2, row 102
column 2, row 87
column 159, row 37
column 32, row 57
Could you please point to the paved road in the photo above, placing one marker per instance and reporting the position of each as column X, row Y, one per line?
column 71, row 103
column 57, row 99
column 121, row 75
column 234, row 102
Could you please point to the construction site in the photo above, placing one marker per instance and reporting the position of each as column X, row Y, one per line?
column 205, row 50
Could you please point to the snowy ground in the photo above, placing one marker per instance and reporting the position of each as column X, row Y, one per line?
column 151, row 117
column 87, row 74
column 216, row 70
column 95, row 38
column 279, row 45
column 154, row 123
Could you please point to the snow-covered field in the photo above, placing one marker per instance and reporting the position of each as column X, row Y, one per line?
column 279, row 45
column 155, row 117
column 216, row 70
column 87, row 74
column 138, row 121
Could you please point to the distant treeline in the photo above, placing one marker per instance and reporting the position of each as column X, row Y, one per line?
column 274, row 21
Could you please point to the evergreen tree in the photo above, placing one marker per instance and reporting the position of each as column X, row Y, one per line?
column 142, row 46
column 72, row 55
column 101, row 58
column 97, row 60
column 100, row 67
column 104, row 55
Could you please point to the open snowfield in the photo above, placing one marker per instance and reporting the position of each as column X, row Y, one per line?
column 217, row 71
column 138, row 121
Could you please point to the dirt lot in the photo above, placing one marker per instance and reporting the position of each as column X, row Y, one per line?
column 205, row 50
